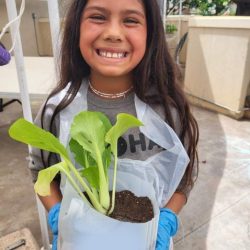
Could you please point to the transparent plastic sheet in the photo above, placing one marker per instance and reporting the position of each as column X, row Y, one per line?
column 171, row 163
column 82, row 227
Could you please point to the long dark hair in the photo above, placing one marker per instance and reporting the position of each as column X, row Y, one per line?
column 156, row 70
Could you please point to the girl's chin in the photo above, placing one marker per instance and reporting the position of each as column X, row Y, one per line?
column 112, row 73
column 112, row 76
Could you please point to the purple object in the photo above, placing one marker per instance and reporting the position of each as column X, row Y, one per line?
column 4, row 56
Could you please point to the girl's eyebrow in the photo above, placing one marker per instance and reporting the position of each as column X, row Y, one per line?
column 132, row 11
column 96, row 8
column 128, row 11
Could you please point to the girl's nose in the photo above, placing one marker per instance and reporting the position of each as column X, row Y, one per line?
column 113, row 33
column 113, row 38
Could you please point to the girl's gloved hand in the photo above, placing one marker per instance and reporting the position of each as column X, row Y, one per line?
column 53, row 223
column 167, row 227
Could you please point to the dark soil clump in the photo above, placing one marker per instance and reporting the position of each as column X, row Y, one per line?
column 131, row 208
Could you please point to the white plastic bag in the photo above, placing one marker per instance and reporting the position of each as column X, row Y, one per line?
column 160, row 173
column 83, row 228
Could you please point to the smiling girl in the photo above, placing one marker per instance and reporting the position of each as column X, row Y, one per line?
column 114, row 51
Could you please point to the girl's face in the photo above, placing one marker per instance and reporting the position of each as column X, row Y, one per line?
column 113, row 36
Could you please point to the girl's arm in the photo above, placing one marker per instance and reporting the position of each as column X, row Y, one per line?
column 52, row 205
column 54, row 198
column 36, row 162
column 177, row 202
column 168, row 221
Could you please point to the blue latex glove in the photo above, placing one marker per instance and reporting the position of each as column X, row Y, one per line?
column 53, row 223
column 167, row 227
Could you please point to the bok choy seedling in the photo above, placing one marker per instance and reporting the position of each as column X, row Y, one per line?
column 93, row 143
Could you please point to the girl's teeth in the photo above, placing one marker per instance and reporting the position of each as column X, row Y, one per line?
column 102, row 53
column 111, row 55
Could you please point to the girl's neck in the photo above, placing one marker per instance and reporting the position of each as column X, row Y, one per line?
column 110, row 85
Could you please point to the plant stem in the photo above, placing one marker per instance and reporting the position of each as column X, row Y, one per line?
column 95, row 193
column 104, row 186
column 73, row 183
column 93, row 199
column 114, row 184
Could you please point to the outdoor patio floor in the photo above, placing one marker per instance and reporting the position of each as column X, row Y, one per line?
column 217, row 215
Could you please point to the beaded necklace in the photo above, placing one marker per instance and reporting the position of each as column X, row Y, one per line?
column 110, row 96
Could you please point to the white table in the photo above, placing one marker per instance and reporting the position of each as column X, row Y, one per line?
column 40, row 78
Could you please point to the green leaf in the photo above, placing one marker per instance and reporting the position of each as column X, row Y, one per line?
column 89, row 129
column 106, row 158
column 79, row 152
column 82, row 156
column 27, row 132
column 46, row 176
column 106, row 122
column 77, row 149
column 92, row 176
column 123, row 123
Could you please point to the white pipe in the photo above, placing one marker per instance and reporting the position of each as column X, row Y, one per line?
column 22, row 79
column 180, row 7
column 179, row 27
column 18, row 52
column 54, row 20
column 163, row 5
column 43, row 224
column 164, row 13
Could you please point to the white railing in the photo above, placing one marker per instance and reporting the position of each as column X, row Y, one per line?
column 22, row 79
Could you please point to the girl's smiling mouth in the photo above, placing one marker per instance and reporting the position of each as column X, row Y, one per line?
column 111, row 54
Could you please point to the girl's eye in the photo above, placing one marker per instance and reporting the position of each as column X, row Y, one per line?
column 97, row 18
column 131, row 21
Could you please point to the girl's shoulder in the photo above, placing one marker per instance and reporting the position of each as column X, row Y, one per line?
column 56, row 98
column 48, row 107
column 44, row 115
column 159, row 109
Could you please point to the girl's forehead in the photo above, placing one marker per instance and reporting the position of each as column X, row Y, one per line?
column 116, row 5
